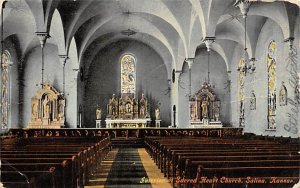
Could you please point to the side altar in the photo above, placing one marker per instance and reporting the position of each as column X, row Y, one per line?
column 205, row 108
column 47, row 108
column 127, row 111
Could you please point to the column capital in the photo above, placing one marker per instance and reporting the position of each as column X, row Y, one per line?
column 190, row 61
column 243, row 5
column 208, row 41
column 63, row 59
column 42, row 35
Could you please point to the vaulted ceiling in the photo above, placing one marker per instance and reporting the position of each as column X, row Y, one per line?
column 173, row 28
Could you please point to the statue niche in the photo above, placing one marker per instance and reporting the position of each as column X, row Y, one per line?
column 47, row 108
column 204, row 107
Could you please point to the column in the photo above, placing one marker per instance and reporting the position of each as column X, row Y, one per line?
column 190, row 62
column 42, row 37
column 174, row 97
column 63, row 60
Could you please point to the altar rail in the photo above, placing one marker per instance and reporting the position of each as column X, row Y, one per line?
column 127, row 132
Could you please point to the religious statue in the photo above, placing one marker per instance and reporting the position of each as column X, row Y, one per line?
column 283, row 95
column 128, row 107
column 34, row 109
column 46, row 107
column 98, row 113
column 157, row 114
column 135, row 108
column 143, row 106
column 61, row 109
column 121, row 107
column 204, row 106
column 113, row 106
column 194, row 110
column 217, row 110
column 252, row 101
column 272, row 103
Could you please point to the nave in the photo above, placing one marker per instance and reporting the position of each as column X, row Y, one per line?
column 149, row 158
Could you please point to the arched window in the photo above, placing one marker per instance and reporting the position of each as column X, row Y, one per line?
column 128, row 74
column 242, row 75
column 271, row 67
column 5, row 89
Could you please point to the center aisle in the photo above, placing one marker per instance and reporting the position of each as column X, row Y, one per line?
column 128, row 167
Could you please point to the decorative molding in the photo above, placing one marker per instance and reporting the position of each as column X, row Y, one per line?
column 243, row 5
column 190, row 61
column 43, row 36
column 63, row 59
column 208, row 41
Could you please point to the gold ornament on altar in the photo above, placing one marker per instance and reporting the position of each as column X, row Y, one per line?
column 47, row 108
column 127, row 107
column 204, row 106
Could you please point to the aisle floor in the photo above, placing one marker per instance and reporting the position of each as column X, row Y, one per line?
column 128, row 167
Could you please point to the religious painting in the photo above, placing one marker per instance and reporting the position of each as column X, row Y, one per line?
column 128, row 74
column 271, row 67
column 5, row 90
column 241, row 82
column 283, row 95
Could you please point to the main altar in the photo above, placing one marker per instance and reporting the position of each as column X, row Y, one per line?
column 205, row 108
column 127, row 111
column 47, row 108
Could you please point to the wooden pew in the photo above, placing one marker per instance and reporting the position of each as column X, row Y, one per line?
column 79, row 158
column 182, row 153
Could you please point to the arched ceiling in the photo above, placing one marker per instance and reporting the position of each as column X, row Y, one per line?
column 173, row 28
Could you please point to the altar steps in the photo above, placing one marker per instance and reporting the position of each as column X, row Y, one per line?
column 130, row 142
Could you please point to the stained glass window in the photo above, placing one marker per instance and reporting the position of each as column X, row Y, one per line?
column 242, row 75
column 128, row 74
column 271, row 67
column 5, row 93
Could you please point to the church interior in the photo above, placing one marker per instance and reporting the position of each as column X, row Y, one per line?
column 150, row 93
